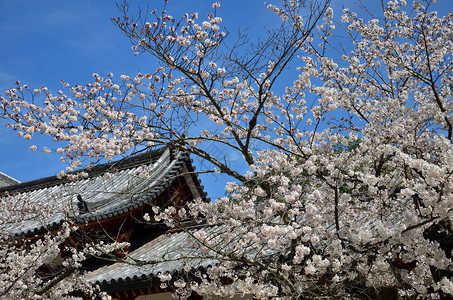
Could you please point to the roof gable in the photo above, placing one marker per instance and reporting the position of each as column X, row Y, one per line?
column 6, row 180
column 109, row 190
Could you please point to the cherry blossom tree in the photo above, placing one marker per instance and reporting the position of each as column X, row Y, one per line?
column 348, row 188
column 35, row 268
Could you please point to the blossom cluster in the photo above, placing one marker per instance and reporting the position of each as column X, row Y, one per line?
column 346, row 183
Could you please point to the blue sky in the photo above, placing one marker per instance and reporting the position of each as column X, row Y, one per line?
column 46, row 41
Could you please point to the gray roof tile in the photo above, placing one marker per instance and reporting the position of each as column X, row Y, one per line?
column 132, row 183
column 161, row 255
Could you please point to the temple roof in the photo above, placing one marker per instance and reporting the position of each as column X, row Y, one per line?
column 169, row 253
column 109, row 190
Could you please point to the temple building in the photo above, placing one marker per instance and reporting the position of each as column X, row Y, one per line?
column 109, row 203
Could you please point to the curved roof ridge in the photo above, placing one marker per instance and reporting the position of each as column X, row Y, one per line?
column 128, row 162
column 165, row 163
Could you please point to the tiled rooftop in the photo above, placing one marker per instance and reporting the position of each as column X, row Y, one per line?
column 109, row 190
column 168, row 253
